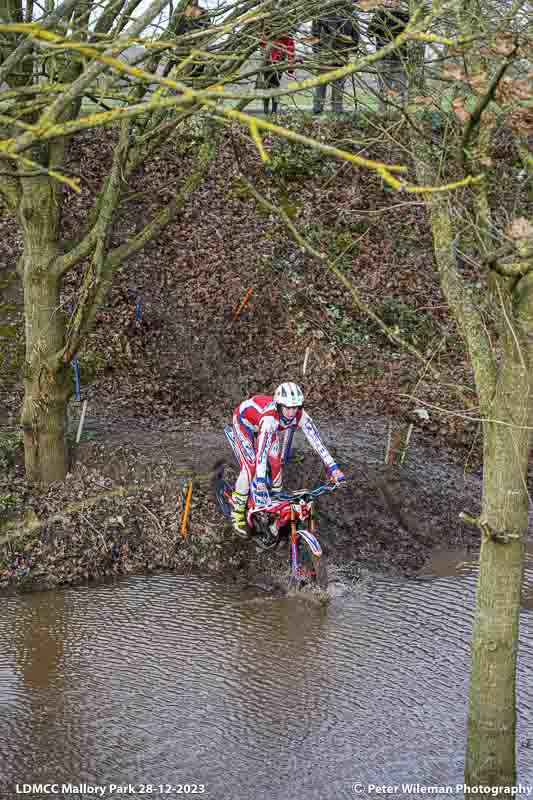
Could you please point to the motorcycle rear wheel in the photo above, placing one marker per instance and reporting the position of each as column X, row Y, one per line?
column 223, row 481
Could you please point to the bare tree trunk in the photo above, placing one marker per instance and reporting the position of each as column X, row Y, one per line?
column 504, row 392
column 46, row 382
column 490, row 752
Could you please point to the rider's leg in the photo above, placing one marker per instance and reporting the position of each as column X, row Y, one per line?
column 275, row 468
column 245, row 446
column 240, row 501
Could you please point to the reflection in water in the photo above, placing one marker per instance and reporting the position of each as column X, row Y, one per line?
column 277, row 695
column 39, row 634
column 175, row 679
column 457, row 562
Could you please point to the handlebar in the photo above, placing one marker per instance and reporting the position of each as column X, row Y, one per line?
column 310, row 493
column 300, row 494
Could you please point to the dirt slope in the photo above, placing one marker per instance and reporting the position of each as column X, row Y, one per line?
column 160, row 389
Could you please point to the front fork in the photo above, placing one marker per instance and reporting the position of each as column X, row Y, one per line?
column 294, row 540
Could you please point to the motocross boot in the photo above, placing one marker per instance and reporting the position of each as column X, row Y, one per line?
column 238, row 514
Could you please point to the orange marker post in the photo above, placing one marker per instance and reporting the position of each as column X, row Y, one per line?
column 395, row 447
column 240, row 308
column 186, row 511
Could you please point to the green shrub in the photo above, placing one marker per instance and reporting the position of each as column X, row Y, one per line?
column 10, row 443
column 289, row 161
column 414, row 326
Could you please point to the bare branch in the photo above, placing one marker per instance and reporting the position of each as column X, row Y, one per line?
column 475, row 117
column 97, row 277
column 111, row 13
column 81, row 249
column 138, row 241
column 96, row 68
column 48, row 22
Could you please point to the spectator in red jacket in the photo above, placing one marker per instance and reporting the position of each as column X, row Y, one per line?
column 278, row 55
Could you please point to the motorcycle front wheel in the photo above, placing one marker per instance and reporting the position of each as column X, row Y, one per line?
column 312, row 569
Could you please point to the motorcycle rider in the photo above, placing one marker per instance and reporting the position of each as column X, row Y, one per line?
column 259, row 424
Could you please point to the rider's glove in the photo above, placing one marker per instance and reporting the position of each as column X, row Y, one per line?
column 336, row 474
column 260, row 492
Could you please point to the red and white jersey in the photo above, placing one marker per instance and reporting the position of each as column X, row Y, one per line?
column 260, row 416
column 261, row 409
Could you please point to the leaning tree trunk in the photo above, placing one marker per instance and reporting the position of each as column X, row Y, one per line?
column 46, row 382
column 491, row 741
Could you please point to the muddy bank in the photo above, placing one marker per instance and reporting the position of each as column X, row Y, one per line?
column 190, row 353
column 120, row 510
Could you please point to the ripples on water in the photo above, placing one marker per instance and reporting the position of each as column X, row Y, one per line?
column 172, row 679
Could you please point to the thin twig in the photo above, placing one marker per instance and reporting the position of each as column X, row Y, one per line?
column 98, row 533
column 468, row 418
column 510, row 326
column 385, row 208
column 153, row 517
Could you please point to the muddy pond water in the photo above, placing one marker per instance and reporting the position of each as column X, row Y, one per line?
column 183, row 681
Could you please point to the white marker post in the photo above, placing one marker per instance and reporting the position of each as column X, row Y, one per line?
column 82, row 420
column 306, row 358
column 387, row 446
column 407, row 440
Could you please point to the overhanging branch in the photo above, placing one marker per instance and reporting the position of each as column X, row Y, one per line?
column 98, row 275
column 95, row 69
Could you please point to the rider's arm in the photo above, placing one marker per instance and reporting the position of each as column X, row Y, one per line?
column 267, row 429
column 313, row 437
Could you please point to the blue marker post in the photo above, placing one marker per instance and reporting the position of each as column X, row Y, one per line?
column 138, row 309
column 77, row 377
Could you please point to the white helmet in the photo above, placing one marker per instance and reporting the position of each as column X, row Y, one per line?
column 289, row 394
